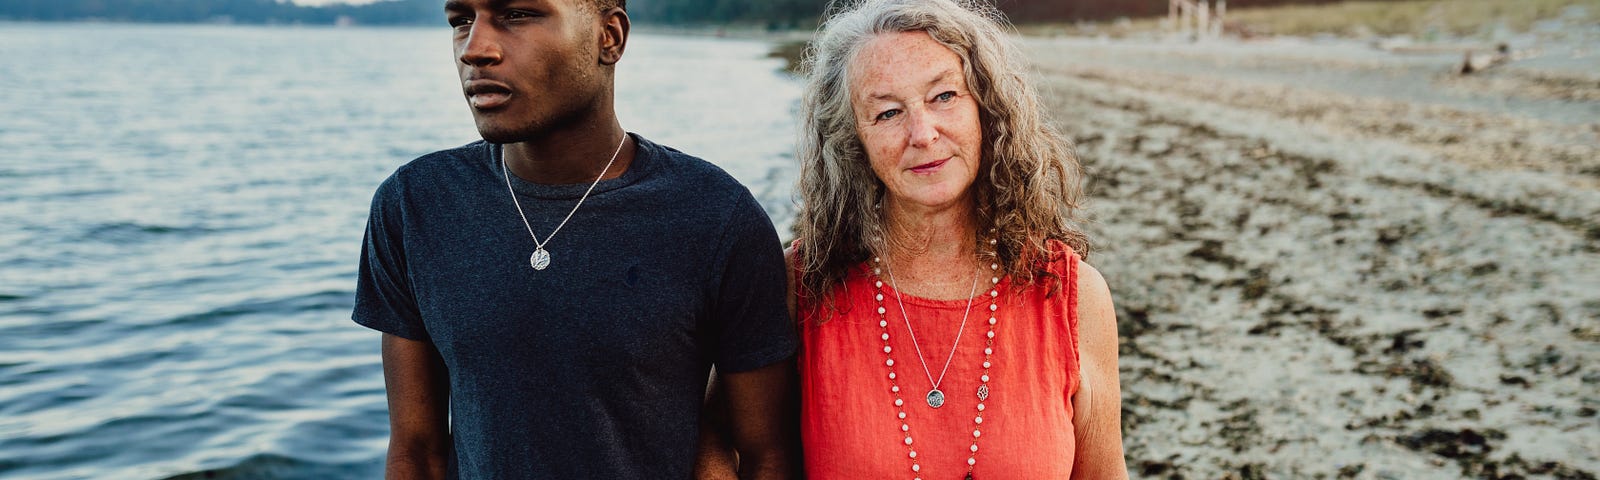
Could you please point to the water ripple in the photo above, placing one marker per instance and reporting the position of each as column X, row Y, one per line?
column 179, row 257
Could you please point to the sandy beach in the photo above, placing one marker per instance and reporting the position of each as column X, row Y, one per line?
column 1336, row 261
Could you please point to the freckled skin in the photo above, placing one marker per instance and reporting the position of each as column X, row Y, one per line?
column 912, row 108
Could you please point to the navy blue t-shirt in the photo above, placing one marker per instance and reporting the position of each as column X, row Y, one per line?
column 594, row 367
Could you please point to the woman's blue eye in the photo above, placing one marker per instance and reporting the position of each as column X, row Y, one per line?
column 945, row 97
column 888, row 114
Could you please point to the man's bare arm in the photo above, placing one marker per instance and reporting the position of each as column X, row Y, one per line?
column 717, row 459
column 763, row 410
column 419, row 409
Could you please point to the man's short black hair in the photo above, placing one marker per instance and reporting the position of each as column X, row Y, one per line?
column 604, row 5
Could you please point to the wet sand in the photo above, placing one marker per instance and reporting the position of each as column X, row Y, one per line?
column 1332, row 261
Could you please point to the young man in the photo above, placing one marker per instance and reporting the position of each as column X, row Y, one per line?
column 553, row 297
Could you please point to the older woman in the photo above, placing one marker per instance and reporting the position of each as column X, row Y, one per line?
column 949, row 327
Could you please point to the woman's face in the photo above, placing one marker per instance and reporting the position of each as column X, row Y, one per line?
column 916, row 118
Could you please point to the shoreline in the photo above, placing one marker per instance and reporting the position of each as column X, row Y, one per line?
column 1411, row 251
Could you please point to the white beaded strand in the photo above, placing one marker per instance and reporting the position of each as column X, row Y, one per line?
column 894, row 384
column 988, row 361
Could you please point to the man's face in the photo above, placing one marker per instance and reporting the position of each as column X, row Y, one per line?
column 526, row 65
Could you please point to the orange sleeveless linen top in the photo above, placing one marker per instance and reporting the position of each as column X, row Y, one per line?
column 849, row 424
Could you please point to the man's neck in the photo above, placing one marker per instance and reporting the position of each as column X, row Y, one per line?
column 574, row 154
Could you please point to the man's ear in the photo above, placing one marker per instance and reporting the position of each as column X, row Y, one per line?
column 614, row 26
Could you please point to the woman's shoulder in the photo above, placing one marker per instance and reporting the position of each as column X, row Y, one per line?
column 792, row 250
column 1091, row 292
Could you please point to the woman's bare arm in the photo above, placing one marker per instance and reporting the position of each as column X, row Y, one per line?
column 1097, row 405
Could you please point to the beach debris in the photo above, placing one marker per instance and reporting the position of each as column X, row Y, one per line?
column 1473, row 62
column 1196, row 19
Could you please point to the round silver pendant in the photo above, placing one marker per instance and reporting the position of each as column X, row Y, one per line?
column 540, row 259
column 935, row 398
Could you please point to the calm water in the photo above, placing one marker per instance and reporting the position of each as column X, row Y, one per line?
column 181, row 209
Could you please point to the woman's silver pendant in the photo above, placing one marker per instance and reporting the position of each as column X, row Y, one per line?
column 935, row 398
column 540, row 259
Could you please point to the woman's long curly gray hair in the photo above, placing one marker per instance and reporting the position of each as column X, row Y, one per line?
column 1029, row 183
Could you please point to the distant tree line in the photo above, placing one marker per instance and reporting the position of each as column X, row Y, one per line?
column 1034, row 11
column 239, row 11
column 775, row 14
column 807, row 13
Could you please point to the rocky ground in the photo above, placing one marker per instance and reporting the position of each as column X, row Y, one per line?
column 1336, row 262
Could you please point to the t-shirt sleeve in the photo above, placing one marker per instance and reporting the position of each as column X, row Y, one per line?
column 753, row 325
column 384, row 298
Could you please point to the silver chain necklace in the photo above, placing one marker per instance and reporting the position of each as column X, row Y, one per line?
column 541, row 258
column 935, row 396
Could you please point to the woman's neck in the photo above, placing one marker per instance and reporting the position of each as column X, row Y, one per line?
column 931, row 252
